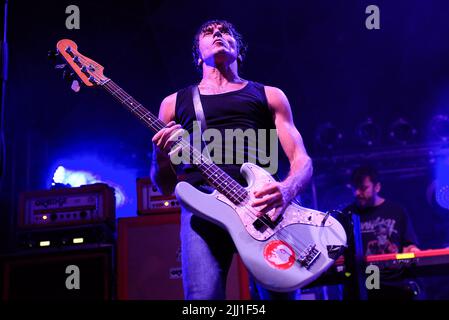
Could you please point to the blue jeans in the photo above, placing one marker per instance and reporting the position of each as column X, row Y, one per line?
column 207, row 251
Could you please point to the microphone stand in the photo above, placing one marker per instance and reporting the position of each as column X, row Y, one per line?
column 359, row 257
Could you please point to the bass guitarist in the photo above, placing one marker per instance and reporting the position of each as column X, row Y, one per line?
column 229, row 102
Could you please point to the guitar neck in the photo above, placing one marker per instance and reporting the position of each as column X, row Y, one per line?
column 215, row 176
column 149, row 119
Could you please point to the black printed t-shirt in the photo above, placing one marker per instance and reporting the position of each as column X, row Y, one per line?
column 385, row 228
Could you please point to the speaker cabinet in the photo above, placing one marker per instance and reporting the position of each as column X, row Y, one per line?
column 149, row 261
column 82, row 273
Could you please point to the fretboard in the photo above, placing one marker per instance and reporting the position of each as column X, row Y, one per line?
column 215, row 176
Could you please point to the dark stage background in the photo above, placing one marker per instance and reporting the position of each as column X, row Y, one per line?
column 335, row 72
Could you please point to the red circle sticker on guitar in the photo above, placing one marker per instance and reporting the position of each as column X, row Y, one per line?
column 279, row 254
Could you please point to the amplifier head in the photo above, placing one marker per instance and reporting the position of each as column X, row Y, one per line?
column 151, row 201
column 66, row 207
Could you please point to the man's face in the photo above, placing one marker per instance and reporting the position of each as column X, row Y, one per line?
column 217, row 44
column 366, row 193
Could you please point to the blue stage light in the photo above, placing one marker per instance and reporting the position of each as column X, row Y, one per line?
column 440, row 127
column 89, row 169
column 442, row 183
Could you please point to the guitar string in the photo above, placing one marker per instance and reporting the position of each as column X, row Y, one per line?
column 124, row 97
column 276, row 235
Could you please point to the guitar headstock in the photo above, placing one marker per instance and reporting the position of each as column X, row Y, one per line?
column 87, row 70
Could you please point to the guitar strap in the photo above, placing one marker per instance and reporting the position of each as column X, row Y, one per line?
column 198, row 108
column 200, row 115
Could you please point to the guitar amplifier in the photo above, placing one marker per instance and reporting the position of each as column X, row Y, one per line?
column 84, row 205
column 149, row 261
column 83, row 273
column 66, row 237
column 151, row 201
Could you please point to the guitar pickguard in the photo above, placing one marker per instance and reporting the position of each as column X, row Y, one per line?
column 292, row 214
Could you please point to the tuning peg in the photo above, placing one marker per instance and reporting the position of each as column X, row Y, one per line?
column 85, row 71
column 52, row 54
column 69, row 51
column 77, row 61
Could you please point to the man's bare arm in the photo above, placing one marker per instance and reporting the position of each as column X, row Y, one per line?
column 278, row 195
column 301, row 168
column 162, row 172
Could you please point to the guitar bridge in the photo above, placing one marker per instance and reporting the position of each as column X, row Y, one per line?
column 309, row 256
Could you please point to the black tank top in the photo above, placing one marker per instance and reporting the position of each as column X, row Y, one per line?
column 246, row 108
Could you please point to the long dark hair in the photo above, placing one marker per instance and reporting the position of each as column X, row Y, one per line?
column 241, row 46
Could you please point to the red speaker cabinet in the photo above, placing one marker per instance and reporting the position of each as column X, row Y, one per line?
column 148, row 270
